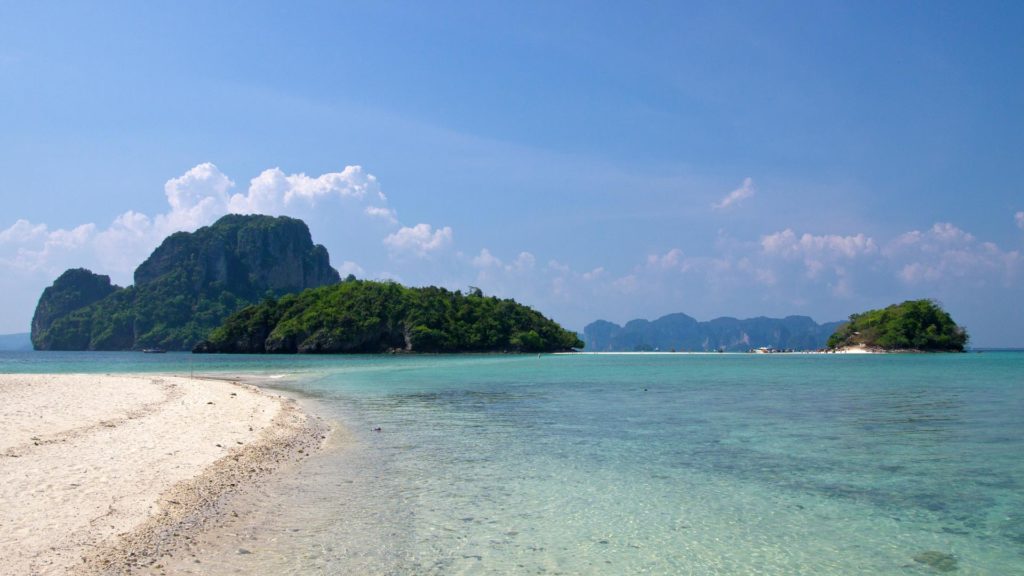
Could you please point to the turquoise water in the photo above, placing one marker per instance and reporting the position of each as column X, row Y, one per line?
column 633, row 464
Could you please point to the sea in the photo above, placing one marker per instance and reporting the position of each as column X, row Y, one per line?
column 733, row 464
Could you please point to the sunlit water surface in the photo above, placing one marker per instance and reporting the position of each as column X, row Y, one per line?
column 636, row 464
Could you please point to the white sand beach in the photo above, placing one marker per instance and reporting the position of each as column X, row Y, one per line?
column 99, row 474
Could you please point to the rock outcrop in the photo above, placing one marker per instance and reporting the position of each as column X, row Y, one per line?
column 679, row 332
column 186, row 287
column 75, row 288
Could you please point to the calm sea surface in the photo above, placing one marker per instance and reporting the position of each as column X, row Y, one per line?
column 632, row 464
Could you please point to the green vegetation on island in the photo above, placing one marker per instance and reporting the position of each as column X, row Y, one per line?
column 186, row 287
column 360, row 316
column 913, row 325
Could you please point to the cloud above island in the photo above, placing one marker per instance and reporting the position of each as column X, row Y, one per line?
column 420, row 240
column 197, row 198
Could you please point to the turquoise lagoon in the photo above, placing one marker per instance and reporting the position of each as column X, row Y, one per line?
column 628, row 464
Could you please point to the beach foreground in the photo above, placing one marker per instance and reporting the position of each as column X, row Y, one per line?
column 101, row 474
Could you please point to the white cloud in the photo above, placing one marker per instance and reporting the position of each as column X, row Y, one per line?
column 946, row 253
column 486, row 260
column 786, row 244
column 735, row 197
column 1019, row 218
column 671, row 259
column 420, row 240
column 196, row 198
column 22, row 232
column 348, row 267
column 34, row 247
column 627, row 284
column 381, row 212
column 273, row 190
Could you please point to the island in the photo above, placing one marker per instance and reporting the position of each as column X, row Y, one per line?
column 362, row 316
column 913, row 326
column 184, row 289
column 679, row 332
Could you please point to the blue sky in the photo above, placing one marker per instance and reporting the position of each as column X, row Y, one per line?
column 594, row 160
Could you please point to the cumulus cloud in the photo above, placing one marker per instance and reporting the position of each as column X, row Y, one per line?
column 787, row 244
column 348, row 267
column 32, row 247
column 273, row 190
column 735, row 197
column 420, row 240
column 1019, row 218
column 945, row 252
column 485, row 261
column 387, row 214
column 196, row 198
column 819, row 253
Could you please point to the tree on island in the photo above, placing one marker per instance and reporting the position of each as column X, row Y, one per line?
column 362, row 316
column 913, row 325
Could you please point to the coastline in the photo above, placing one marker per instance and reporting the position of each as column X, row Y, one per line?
column 106, row 474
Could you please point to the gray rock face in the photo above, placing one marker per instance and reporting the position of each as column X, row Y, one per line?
column 251, row 254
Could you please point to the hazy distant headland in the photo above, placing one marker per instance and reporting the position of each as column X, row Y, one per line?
column 680, row 332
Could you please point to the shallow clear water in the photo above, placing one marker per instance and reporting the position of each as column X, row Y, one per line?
column 637, row 464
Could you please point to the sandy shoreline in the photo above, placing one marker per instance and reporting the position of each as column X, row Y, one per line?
column 101, row 474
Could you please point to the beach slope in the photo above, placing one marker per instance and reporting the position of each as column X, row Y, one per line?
column 106, row 473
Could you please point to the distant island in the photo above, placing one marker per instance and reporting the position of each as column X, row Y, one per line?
column 360, row 316
column 186, row 287
column 679, row 332
column 913, row 326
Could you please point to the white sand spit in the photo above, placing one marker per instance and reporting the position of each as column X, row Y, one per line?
column 101, row 473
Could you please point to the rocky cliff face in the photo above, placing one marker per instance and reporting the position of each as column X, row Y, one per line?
column 188, row 285
column 74, row 289
column 251, row 254
column 681, row 332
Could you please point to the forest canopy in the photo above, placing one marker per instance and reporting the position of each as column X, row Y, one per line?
column 913, row 325
column 362, row 316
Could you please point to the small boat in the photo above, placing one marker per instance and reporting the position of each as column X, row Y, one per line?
column 154, row 351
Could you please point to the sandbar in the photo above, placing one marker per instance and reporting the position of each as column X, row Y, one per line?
column 103, row 474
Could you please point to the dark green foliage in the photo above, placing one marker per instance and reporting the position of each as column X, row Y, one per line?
column 681, row 332
column 190, row 283
column 74, row 289
column 359, row 316
column 912, row 325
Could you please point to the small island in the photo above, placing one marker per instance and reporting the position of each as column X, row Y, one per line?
column 913, row 326
column 362, row 316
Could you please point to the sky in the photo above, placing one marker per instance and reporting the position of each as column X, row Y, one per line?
column 593, row 160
